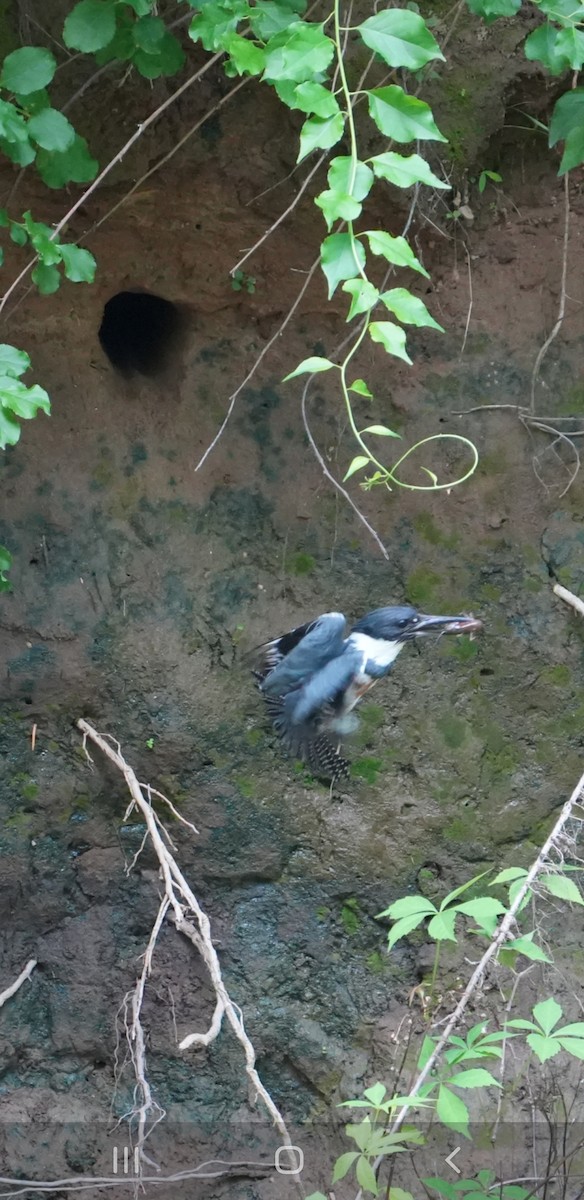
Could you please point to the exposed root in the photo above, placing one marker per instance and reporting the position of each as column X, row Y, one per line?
column 13, row 988
column 180, row 904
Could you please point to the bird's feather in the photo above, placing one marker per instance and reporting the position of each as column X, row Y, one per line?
column 288, row 660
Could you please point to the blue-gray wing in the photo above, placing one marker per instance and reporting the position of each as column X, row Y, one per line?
column 323, row 642
column 324, row 687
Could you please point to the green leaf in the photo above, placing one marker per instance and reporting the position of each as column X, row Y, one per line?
column 148, row 32
column 474, row 1078
column 514, row 891
column 169, row 59
column 381, row 431
column 489, row 10
column 570, row 45
column 247, row 58
column 394, row 249
column 402, row 117
column 407, row 906
column 5, row 564
column 20, row 153
column 74, row 165
column 308, row 97
column 22, row 400
column 562, row 887
column 520, row 1023
column 441, row 927
column 427, row 1048
column 299, row 53
column 47, row 278
column 574, row 1030
column 452, row 1111
column 366, row 1176
column 344, row 1164
column 40, row 237
column 90, row 26
column 51, row 130
column 18, row 235
column 408, row 309
column 574, row 1046
column 319, row 134
column 401, row 38
column 483, row 909
column 9, row 428
column 13, row 362
column 508, row 874
column 541, row 46
column 525, row 945
column 459, row 891
column 375, row 1094
column 268, row 18
column 567, row 124
column 13, row 127
column 357, row 464
column 354, row 179
column 215, row 22
column 360, row 387
column 363, row 296
column 28, row 70
column 391, row 337
column 406, row 924
column 547, row 1013
column 79, row 265
column 340, row 257
column 310, row 366
column 443, row 1188
column 361, row 1133
column 543, row 1047
column 337, row 206
column 405, row 171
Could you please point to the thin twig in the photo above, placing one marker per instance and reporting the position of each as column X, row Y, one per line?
column 163, row 161
column 562, row 306
column 13, row 988
column 259, row 359
column 331, row 477
column 281, row 218
column 470, row 300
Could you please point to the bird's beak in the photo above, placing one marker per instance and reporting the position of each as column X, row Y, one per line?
column 431, row 624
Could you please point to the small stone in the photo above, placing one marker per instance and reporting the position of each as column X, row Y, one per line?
column 495, row 521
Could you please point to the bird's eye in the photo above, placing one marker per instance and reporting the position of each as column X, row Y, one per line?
column 403, row 623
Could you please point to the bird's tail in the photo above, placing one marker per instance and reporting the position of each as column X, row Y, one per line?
column 306, row 741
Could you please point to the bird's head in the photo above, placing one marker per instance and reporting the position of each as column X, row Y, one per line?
column 401, row 623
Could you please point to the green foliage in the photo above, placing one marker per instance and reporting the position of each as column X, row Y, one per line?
column 31, row 130
column 412, row 911
column 241, row 282
column 485, row 176
column 78, row 265
column 558, row 45
column 5, row 565
column 456, row 1063
column 544, row 1037
column 17, row 401
column 127, row 33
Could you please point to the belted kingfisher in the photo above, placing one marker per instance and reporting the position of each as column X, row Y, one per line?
column 313, row 677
